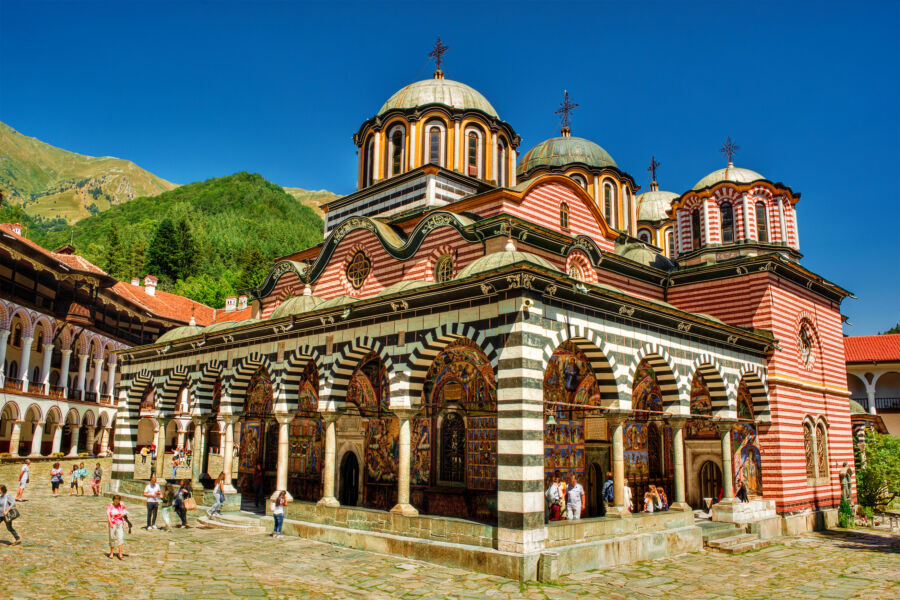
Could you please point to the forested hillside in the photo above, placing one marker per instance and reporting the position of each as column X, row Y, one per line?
column 205, row 240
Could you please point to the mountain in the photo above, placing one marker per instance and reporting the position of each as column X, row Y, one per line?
column 312, row 199
column 235, row 227
column 52, row 183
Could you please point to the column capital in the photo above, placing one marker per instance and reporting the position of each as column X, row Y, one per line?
column 230, row 419
column 284, row 418
column 64, row 352
column 198, row 420
column 405, row 413
column 724, row 426
column 677, row 422
column 48, row 346
column 330, row 416
column 617, row 418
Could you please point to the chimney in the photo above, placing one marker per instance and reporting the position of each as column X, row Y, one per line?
column 150, row 285
column 230, row 303
column 242, row 302
column 135, row 281
column 16, row 228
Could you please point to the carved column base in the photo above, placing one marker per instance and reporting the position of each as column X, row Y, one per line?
column 329, row 501
column 407, row 510
column 681, row 506
column 618, row 511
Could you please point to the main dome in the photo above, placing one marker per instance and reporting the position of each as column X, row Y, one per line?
column 729, row 173
column 565, row 150
column 652, row 205
column 439, row 91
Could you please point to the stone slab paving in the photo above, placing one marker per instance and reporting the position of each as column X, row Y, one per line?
column 64, row 556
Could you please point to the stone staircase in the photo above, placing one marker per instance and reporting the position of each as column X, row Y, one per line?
column 239, row 522
column 729, row 538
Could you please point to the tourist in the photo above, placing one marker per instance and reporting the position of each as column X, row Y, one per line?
column 184, row 491
column 627, row 497
column 575, row 501
column 152, row 493
column 56, row 479
column 175, row 466
column 259, row 493
column 115, row 520
column 73, row 474
column 79, row 479
column 153, row 453
column 219, row 493
column 608, row 491
column 165, row 509
column 278, row 513
column 8, row 506
column 24, row 472
column 664, row 500
column 95, row 481
column 648, row 502
column 654, row 496
column 742, row 490
column 554, row 498
column 144, row 452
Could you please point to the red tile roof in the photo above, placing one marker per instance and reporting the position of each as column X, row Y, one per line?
column 237, row 315
column 868, row 348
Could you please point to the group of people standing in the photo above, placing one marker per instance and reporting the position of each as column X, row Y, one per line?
column 77, row 477
column 566, row 499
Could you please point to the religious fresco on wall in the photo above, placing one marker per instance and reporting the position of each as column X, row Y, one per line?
column 649, row 455
column 646, row 394
column 701, row 405
column 420, row 438
column 744, row 402
column 637, row 463
column 306, row 440
column 259, row 395
column 481, row 453
column 746, row 457
column 251, row 434
column 382, row 450
column 462, row 374
column 568, row 381
column 368, row 389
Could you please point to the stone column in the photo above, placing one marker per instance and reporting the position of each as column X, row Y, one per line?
column 228, row 458
column 82, row 372
column 727, row 468
column 104, row 440
column 617, row 422
column 45, row 367
column 37, row 439
column 89, row 442
column 111, row 381
column 14, row 437
column 57, row 439
column 870, row 394
column 180, row 440
column 64, row 372
column 328, row 498
column 98, row 375
column 26, row 361
column 73, row 444
column 161, row 449
column 198, row 449
column 403, row 506
column 678, row 463
column 284, row 453
column 4, row 338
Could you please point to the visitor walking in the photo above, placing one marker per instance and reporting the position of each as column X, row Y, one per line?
column 219, row 493
column 9, row 511
column 575, row 501
column 175, row 466
column 79, row 479
column 259, row 492
column 95, row 481
column 278, row 513
column 627, row 497
column 152, row 493
column 144, row 452
column 56, row 479
column 554, row 498
column 24, row 474
column 183, row 492
column 165, row 509
column 73, row 475
column 742, row 490
column 115, row 520
column 608, row 492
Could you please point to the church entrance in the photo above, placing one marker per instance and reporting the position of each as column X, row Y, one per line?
column 258, row 443
column 349, row 492
column 710, row 481
column 598, row 465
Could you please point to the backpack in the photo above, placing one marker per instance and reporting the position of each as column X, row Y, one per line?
column 608, row 490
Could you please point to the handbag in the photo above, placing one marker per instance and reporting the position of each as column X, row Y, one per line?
column 190, row 504
column 11, row 515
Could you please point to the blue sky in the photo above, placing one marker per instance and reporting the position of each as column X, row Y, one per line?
column 196, row 90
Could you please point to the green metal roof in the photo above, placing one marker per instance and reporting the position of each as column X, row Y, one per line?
column 498, row 260
column 729, row 173
column 652, row 205
column 225, row 325
column 337, row 301
column 439, row 91
column 402, row 286
column 295, row 306
column 856, row 408
column 566, row 150
column 179, row 333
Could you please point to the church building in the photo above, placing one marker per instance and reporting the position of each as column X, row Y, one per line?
column 481, row 315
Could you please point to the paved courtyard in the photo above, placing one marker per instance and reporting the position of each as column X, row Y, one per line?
column 64, row 556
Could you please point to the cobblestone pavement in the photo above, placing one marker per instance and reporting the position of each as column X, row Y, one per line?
column 65, row 541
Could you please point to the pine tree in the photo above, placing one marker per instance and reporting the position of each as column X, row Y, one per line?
column 254, row 269
column 161, row 253
column 114, row 260
column 184, row 254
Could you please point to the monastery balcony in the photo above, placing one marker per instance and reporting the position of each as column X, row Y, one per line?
column 881, row 402
column 54, row 392
column 57, row 391
column 11, row 384
column 107, row 400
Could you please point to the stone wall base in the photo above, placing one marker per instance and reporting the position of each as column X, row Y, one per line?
column 133, row 490
column 813, row 520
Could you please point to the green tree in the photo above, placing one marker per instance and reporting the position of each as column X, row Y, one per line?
column 114, row 259
column 205, row 289
column 894, row 329
column 254, row 269
column 184, row 254
column 878, row 470
column 162, row 250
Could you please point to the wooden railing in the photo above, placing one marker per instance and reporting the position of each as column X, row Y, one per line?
column 57, row 391
column 36, row 388
column 11, row 383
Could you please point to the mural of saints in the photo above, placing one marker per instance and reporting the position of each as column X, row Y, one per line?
column 307, row 440
column 643, row 446
column 257, row 406
column 701, row 405
column 746, row 455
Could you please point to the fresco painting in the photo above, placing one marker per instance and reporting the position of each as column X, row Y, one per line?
column 382, row 450
column 259, row 395
column 746, row 457
column 744, row 402
column 481, row 453
column 701, row 405
column 420, row 470
column 249, row 445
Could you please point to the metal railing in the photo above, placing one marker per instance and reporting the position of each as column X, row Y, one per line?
column 90, row 396
column 57, row 391
column 107, row 399
column 881, row 403
column 11, row 383
column 36, row 388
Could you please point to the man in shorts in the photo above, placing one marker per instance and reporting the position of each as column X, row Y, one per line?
column 24, row 473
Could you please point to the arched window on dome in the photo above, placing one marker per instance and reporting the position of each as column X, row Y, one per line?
column 435, row 133
column 644, row 236
column 670, row 243
column 696, row 242
column 575, row 272
column 762, row 222
column 474, row 153
column 502, row 161
column 609, row 201
column 727, row 220
column 369, row 162
column 627, row 209
column 580, row 180
column 396, row 150
column 563, row 216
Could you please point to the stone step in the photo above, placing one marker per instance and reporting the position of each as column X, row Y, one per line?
column 205, row 522
column 715, row 533
column 745, row 547
column 732, row 540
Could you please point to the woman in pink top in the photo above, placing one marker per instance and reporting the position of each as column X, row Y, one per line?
column 115, row 518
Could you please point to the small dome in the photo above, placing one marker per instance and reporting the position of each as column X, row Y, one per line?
column 640, row 253
column 439, row 91
column 402, row 286
column 498, row 260
column 565, row 150
column 652, row 205
column 856, row 408
column 729, row 173
column 224, row 325
column 179, row 333
column 296, row 305
column 337, row 301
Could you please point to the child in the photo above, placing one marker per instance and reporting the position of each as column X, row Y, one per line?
column 74, row 475
column 648, row 503
column 166, row 508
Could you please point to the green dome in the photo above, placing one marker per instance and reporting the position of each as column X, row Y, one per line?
column 402, row 286
column 729, row 173
column 295, row 306
column 179, row 333
column 439, row 91
column 652, row 205
column 856, row 408
column 498, row 260
column 338, row 301
column 225, row 325
column 562, row 151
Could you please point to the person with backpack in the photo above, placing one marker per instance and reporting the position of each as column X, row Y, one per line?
column 10, row 513
column 183, row 492
column 608, row 492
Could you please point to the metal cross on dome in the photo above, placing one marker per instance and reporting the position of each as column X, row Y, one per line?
column 652, row 168
column 565, row 110
column 438, row 52
column 729, row 149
